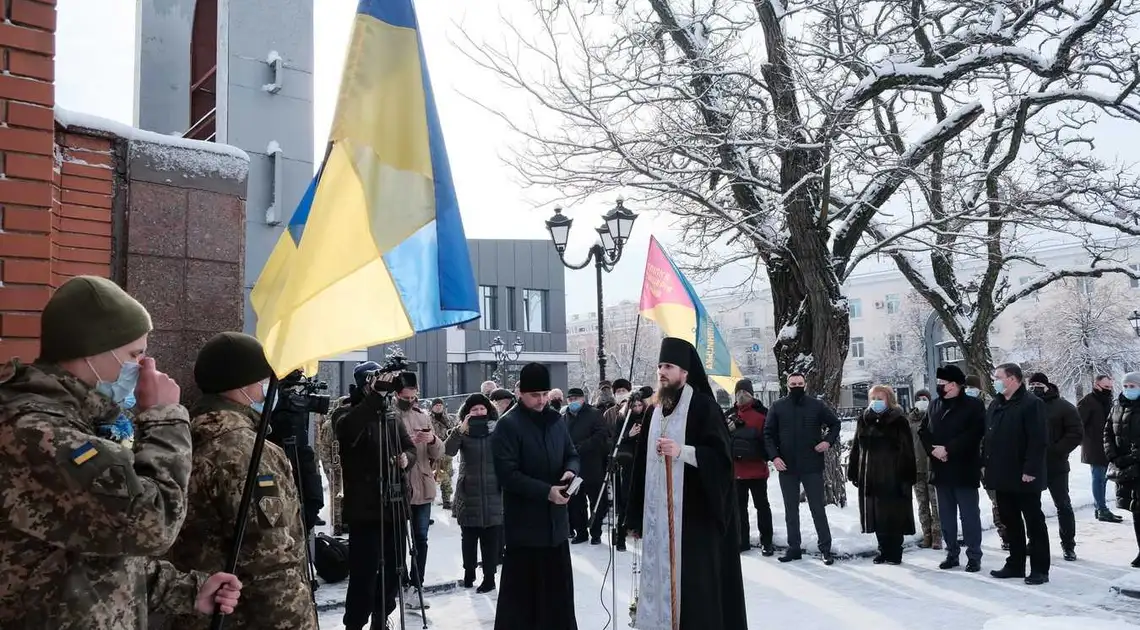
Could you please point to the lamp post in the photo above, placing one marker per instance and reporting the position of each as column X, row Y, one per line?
column 605, row 254
column 504, row 356
column 1134, row 319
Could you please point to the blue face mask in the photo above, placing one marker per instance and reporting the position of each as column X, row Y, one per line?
column 259, row 406
column 999, row 386
column 122, row 390
column 878, row 406
column 1132, row 393
column 575, row 407
column 973, row 392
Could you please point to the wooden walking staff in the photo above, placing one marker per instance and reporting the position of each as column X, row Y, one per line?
column 672, row 544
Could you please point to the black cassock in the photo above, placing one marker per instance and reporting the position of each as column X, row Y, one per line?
column 711, row 585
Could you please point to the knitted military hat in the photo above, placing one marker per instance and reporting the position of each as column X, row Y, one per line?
column 575, row 392
column 88, row 316
column 534, row 377
column 1038, row 378
column 744, row 385
column 230, row 361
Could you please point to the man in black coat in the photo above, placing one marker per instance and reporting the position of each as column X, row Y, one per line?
column 1064, row 437
column 794, row 434
column 952, row 435
column 535, row 462
column 591, row 439
column 1094, row 410
column 374, row 449
column 1014, row 457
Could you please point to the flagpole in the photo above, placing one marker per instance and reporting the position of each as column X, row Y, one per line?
column 633, row 356
column 672, row 544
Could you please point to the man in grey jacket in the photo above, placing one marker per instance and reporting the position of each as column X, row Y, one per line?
column 794, row 435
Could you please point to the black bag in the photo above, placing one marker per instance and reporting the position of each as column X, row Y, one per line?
column 747, row 445
column 331, row 558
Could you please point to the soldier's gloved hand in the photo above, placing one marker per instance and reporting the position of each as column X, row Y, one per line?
column 155, row 389
column 221, row 591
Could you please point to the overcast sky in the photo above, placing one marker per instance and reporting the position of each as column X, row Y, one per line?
column 96, row 77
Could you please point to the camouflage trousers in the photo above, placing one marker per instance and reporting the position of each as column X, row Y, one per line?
column 927, row 501
column 443, row 478
column 997, row 519
column 336, row 488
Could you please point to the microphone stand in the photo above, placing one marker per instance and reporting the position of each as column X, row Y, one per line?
column 607, row 486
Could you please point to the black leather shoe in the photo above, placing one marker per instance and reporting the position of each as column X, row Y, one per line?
column 767, row 551
column 1136, row 562
column 828, row 558
column 973, row 566
column 596, row 540
column 1037, row 579
column 879, row 559
column 1070, row 554
column 951, row 562
column 792, row 556
column 487, row 586
column 1007, row 572
column 579, row 540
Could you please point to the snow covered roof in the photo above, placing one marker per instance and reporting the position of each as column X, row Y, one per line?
column 167, row 152
column 80, row 120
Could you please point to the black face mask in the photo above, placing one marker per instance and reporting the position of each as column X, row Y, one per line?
column 1039, row 392
column 556, row 404
column 941, row 391
column 403, row 405
column 796, row 392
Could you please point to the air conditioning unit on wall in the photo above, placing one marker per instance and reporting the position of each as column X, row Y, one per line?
column 880, row 306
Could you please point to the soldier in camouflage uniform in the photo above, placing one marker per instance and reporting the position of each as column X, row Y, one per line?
column 84, row 516
column 328, row 450
column 442, row 422
column 233, row 375
column 924, row 492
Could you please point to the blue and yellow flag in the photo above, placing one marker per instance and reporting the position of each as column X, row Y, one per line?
column 668, row 299
column 375, row 252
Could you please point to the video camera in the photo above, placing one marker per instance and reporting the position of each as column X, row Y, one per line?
column 298, row 392
column 396, row 363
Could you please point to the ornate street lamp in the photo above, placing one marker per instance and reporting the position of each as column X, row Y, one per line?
column 503, row 356
column 605, row 254
column 1134, row 319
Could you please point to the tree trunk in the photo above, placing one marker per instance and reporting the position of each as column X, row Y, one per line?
column 979, row 359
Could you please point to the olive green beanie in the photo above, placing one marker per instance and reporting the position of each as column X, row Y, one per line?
column 88, row 316
column 230, row 361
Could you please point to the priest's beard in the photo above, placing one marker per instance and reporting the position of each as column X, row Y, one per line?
column 669, row 394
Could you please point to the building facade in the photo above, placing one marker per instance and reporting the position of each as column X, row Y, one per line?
column 625, row 335
column 238, row 73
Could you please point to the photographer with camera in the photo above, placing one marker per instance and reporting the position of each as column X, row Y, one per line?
column 375, row 449
column 297, row 398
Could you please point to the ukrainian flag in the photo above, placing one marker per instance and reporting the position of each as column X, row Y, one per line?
column 375, row 252
column 668, row 299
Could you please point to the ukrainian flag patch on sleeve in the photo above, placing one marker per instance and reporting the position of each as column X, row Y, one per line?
column 83, row 454
column 266, row 481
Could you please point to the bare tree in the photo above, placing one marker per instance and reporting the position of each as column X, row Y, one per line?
column 1080, row 330
column 902, row 356
column 780, row 133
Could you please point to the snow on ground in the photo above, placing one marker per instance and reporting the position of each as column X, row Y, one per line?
column 854, row 593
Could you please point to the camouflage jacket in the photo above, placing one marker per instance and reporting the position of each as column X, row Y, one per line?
column 442, row 425
column 82, row 514
column 275, row 590
column 325, row 447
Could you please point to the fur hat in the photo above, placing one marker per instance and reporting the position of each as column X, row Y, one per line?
column 951, row 374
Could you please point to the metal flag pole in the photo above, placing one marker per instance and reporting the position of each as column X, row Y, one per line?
column 633, row 355
column 247, row 492
column 676, row 621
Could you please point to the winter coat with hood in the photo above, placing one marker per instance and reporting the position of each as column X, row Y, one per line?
column 882, row 467
column 477, row 501
column 747, row 432
column 1016, row 443
column 421, row 476
column 1094, row 409
column 1122, row 447
column 1064, row 430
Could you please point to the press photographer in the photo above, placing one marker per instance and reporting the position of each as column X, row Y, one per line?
column 375, row 450
column 297, row 398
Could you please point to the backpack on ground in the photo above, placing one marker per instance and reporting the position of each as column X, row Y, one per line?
column 331, row 558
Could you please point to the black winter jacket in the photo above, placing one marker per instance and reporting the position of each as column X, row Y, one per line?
column 1064, row 431
column 958, row 424
column 794, row 427
column 1094, row 409
column 1016, row 443
column 358, row 431
column 591, row 437
column 532, row 451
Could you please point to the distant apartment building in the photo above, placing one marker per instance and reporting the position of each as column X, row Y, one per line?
column 621, row 330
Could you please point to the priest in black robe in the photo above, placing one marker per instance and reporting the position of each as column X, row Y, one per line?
column 688, row 426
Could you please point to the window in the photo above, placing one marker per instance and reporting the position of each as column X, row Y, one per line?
column 534, row 310
column 748, row 319
column 512, row 313
column 489, row 314
column 855, row 307
column 894, row 303
column 455, row 378
column 857, row 350
column 896, row 342
column 1134, row 282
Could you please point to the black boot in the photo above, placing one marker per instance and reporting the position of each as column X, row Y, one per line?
column 468, row 578
column 1007, row 572
column 951, row 562
column 828, row 558
column 488, row 584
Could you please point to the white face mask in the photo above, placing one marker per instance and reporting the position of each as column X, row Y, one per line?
column 620, row 398
column 922, row 404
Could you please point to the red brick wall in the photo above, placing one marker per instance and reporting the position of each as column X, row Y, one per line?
column 27, row 132
column 81, row 221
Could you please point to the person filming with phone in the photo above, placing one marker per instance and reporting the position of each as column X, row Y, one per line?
column 537, row 467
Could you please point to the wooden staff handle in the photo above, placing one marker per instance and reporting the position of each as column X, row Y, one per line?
column 672, row 544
